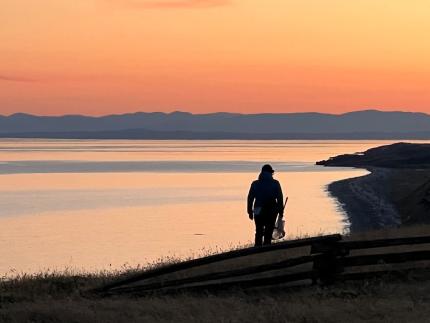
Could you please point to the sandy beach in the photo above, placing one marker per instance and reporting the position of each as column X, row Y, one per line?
column 395, row 192
column 367, row 201
column 386, row 197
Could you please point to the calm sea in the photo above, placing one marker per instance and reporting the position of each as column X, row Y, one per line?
column 91, row 205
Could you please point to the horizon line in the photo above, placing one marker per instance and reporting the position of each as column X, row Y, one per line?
column 211, row 113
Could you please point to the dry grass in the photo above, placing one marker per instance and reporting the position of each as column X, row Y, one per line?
column 63, row 297
column 60, row 299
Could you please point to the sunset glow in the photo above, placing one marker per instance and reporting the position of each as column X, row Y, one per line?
column 115, row 56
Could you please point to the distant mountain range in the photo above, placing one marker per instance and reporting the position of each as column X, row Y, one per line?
column 368, row 124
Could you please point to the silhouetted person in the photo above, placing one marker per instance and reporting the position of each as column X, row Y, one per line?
column 264, row 204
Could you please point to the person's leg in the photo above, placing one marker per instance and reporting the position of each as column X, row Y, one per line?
column 259, row 231
column 269, row 226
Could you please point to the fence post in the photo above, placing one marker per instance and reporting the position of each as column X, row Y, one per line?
column 327, row 265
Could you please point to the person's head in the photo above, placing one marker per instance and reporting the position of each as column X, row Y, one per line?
column 267, row 168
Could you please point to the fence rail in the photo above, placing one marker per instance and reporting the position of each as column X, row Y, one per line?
column 221, row 275
column 329, row 257
column 185, row 265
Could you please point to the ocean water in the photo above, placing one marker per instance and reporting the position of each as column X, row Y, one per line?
column 93, row 205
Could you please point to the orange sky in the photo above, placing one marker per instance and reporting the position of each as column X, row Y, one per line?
column 115, row 56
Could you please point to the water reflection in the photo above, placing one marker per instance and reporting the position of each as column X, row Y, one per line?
column 99, row 220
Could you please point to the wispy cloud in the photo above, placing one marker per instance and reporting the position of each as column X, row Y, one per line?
column 10, row 78
column 171, row 4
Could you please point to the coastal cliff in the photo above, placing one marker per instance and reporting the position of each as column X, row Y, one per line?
column 396, row 192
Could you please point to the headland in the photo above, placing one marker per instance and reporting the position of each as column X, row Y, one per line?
column 396, row 191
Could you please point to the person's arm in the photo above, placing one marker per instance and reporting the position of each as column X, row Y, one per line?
column 251, row 197
column 280, row 201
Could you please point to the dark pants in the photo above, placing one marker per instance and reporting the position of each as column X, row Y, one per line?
column 264, row 226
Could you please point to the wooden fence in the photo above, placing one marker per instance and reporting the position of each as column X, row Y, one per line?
column 329, row 257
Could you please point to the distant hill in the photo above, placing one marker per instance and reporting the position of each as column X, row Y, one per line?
column 368, row 124
column 399, row 155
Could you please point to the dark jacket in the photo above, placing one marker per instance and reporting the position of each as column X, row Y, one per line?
column 267, row 194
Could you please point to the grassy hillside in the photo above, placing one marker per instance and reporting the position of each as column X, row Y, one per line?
column 64, row 297
column 58, row 299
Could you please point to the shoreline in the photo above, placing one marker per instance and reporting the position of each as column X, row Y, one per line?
column 396, row 192
column 365, row 200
